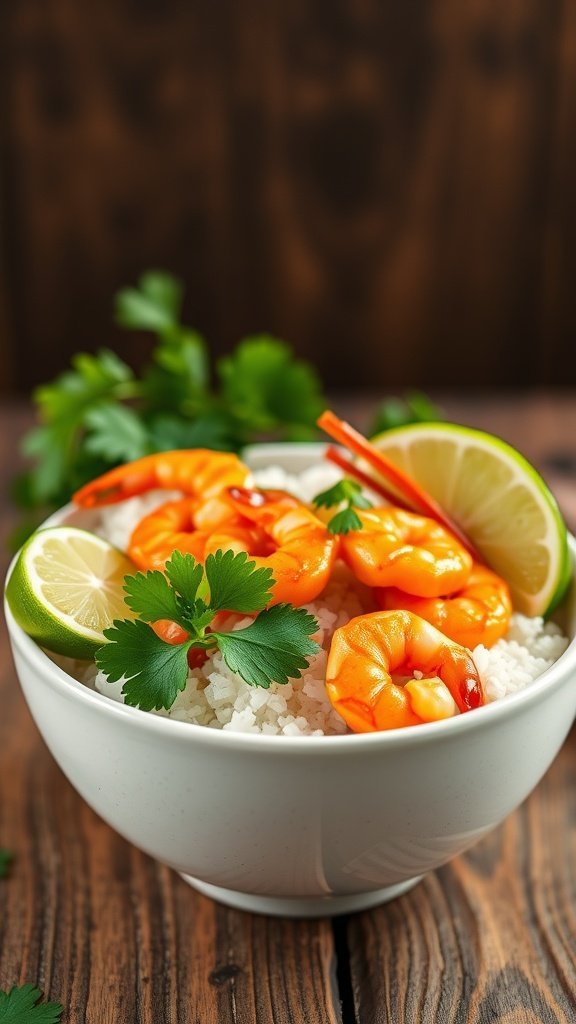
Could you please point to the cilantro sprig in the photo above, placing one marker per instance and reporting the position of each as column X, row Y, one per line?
column 100, row 412
column 275, row 647
column 21, row 1006
column 349, row 494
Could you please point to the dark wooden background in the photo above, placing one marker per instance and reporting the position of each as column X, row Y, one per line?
column 389, row 185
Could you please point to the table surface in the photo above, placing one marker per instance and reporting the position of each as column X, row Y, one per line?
column 118, row 939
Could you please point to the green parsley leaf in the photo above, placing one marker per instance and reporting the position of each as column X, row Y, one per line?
column 153, row 306
column 5, row 862
column 266, row 388
column 154, row 671
column 274, row 648
column 20, row 1006
column 236, row 584
column 116, row 432
column 344, row 521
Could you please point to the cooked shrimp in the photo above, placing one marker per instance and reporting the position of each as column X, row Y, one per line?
column 182, row 525
column 479, row 613
column 273, row 527
column 283, row 534
column 367, row 650
column 196, row 472
column 401, row 549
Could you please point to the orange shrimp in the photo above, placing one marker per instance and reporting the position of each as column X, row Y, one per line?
column 197, row 472
column 283, row 534
column 396, row 548
column 479, row 613
column 273, row 527
column 182, row 525
column 367, row 650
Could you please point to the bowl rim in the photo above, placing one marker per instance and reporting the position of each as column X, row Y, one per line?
column 60, row 681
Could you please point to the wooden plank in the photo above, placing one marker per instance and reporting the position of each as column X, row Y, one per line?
column 490, row 937
column 114, row 936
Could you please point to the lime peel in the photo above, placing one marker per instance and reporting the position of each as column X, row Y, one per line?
column 497, row 498
column 66, row 588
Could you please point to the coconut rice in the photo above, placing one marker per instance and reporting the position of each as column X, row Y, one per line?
column 218, row 698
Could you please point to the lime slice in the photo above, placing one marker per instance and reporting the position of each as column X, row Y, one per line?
column 66, row 588
column 497, row 498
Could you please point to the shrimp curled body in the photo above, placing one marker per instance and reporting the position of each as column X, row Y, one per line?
column 197, row 472
column 368, row 649
column 272, row 527
column 479, row 613
column 401, row 549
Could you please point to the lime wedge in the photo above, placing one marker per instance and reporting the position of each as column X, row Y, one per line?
column 497, row 498
column 66, row 588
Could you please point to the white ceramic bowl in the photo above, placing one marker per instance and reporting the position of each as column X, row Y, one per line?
column 299, row 826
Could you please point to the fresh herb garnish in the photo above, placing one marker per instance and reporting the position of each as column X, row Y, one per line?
column 414, row 407
column 20, row 1006
column 274, row 648
column 5, row 862
column 100, row 413
column 348, row 493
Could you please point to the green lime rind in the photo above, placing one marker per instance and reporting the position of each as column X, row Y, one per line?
column 560, row 563
column 44, row 623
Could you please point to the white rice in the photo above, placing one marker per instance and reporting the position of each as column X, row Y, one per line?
column 218, row 698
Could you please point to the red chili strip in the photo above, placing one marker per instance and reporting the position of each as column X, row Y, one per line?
column 351, row 469
column 413, row 494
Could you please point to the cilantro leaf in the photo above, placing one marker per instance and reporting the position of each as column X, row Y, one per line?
column 19, row 1006
column 274, row 648
column 343, row 490
column 185, row 575
column 183, row 354
column 91, row 378
column 86, row 425
column 348, row 492
column 151, row 597
column 210, row 430
column 5, row 862
column 116, row 432
column 344, row 521
column 63, row 406
column 154, row 671
column 266, row 388
column 50, row 446
column 153, row 306
column 236, row 584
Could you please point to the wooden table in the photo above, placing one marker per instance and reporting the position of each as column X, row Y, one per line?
column 119, row 939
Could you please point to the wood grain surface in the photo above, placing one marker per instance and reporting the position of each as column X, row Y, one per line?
column 119, row 939
column 389, row 186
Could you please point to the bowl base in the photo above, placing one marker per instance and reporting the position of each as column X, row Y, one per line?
column 305, row 906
